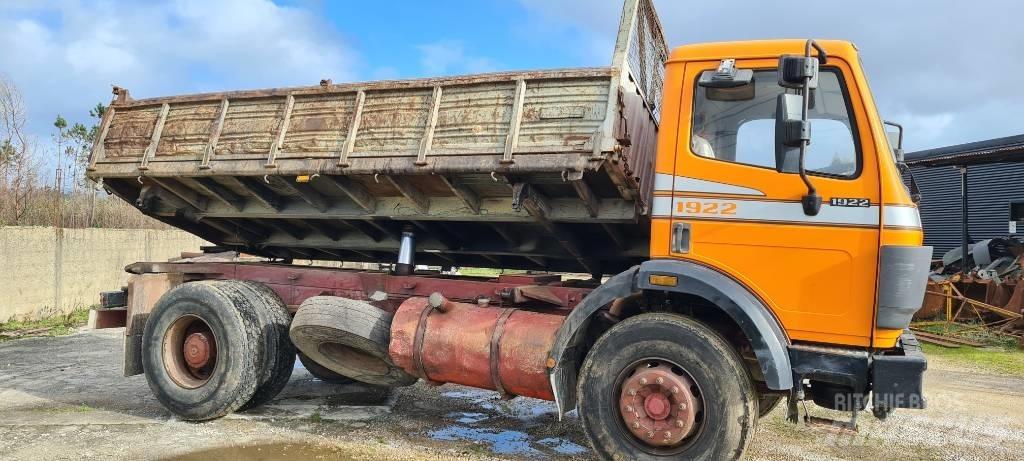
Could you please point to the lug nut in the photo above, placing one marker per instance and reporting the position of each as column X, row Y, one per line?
column 650, row 435
column 668, row 435
column 679, row 423
column 636, row 425
column 643, row 381
column 632, row 392
column 682, row 406
column 660, row 380
column 675, row 389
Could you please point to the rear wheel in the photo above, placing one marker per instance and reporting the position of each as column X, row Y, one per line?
column 661, row 386
column 278, row 350
column 202, row 351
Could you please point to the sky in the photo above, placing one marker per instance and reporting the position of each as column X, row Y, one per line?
column 949, row 70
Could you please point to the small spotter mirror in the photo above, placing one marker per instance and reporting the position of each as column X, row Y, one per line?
column 727, row 83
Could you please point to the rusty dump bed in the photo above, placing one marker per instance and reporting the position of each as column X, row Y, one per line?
column 532, row 170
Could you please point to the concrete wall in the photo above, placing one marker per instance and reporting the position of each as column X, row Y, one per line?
column 44, row 270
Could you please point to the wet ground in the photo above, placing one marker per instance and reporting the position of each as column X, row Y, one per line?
column 65, row 398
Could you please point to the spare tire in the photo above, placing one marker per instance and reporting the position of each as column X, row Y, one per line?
column 321, row 372
column 348, row 337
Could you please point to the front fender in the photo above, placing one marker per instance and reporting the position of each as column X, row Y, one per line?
column 766, row 336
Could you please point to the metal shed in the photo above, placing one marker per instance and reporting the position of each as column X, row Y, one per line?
column 993, row 173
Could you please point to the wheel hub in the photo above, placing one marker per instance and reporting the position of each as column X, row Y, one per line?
column 198, row 350
column 189, row 351
column 658, row 405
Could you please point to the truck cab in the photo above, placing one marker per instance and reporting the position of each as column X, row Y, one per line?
column 779, row 221
column 719, row 185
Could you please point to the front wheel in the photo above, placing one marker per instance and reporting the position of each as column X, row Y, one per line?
column 662, row 386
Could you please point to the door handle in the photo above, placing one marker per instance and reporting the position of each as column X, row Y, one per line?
column 681, row 237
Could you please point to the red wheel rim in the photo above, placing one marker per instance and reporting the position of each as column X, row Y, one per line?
column 658, row 405
column 190, row 351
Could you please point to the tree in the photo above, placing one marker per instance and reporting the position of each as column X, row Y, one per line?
column 18, row 165
column 82, row 137
column 75, row 143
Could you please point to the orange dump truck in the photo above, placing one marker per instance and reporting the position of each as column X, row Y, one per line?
column 736, row 257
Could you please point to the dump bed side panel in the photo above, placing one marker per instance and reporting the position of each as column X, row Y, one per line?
column 504, row 114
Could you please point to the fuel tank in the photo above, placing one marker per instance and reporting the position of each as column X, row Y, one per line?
column 500, row 349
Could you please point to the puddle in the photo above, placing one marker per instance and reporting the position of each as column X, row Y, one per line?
column 562, row 446
column 527, row 410
column 271, row 452
column 501, row 442
column 467, row 418
column 471, row 394
column 505, row 442
column 530, row 412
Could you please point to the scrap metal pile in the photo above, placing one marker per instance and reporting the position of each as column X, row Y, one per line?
column 989, row 296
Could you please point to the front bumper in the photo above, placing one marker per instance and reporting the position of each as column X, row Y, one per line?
column 897, row 376
column 842, row 379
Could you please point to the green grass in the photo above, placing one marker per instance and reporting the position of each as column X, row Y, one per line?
column 990, row 359
column 972, row 332
column 58, row 325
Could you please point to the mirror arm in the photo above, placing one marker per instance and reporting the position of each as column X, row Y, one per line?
column 899, row 140
column 822, row 57
column 812, row 201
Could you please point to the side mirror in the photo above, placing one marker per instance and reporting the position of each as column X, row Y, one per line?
column 792, row 127
column 791, row 132
column 897, row 151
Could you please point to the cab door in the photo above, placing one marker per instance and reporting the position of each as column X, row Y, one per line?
column 732, row 210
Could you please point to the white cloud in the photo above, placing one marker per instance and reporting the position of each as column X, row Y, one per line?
column 448, row 57
column 947, row 61
column 65, row 55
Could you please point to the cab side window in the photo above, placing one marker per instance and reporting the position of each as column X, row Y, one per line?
column 742, row 130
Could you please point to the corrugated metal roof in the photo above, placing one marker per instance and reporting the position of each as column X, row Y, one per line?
column 991, row 189
column 1008, row 149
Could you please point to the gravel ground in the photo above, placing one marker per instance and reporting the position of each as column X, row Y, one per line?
column 65, row 398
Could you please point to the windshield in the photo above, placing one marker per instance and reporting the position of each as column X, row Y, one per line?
column 743, row 131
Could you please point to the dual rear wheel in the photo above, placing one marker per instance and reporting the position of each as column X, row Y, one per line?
column 213, row 347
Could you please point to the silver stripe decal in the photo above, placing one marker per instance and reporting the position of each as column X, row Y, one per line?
column 901, row 216
column 759, row 210
column 668, row 183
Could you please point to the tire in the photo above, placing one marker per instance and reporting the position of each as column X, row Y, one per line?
column 323, row 373
column 348, row 337
column 226, row 312
column 766, row 403
column 722, row 430
column 279, row 352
